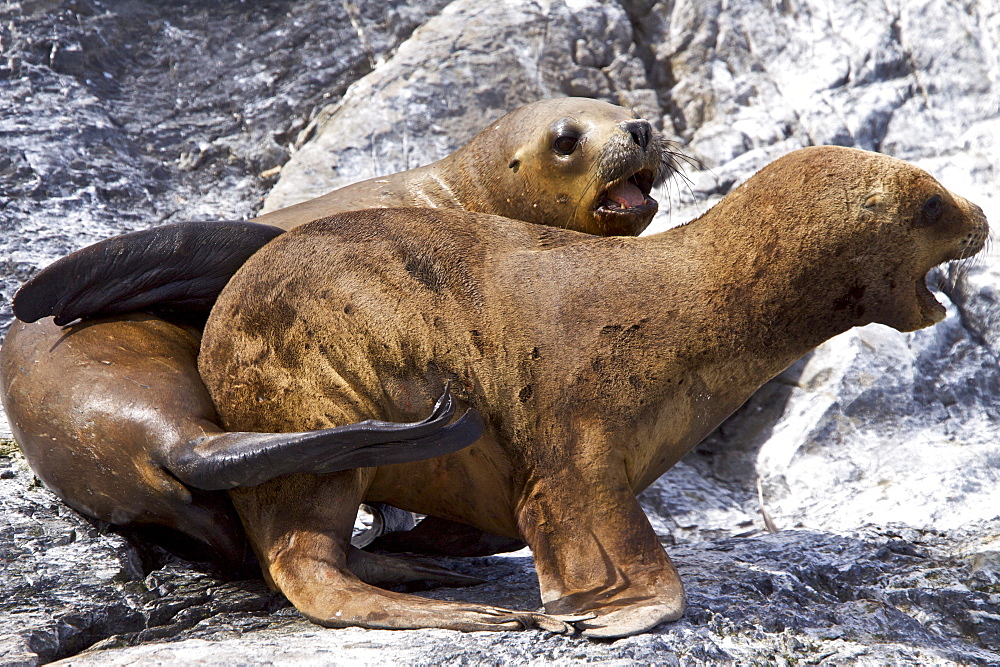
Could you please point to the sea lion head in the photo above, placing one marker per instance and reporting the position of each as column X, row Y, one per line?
column 871, row 226
column 935, row 225
column 574, row 163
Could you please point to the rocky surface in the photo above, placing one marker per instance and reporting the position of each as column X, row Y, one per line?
column 877, row 455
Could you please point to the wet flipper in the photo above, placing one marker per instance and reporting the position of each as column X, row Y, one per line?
column 229, row 460
column 178, row 268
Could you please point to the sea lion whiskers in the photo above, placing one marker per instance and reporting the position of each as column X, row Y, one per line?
column 622, row 160
column 950, row 277
column 679, row 177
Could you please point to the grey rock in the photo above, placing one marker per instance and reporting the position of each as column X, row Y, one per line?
column 877, row 455
column 891, row 594
column 69, row 582
column 748, row 82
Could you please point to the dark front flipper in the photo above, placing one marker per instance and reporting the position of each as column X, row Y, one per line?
column 179, row 268
column 441, row 537
column 246, row 459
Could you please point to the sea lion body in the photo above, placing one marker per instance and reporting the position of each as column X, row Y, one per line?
column 152, row 401
column 596, row 364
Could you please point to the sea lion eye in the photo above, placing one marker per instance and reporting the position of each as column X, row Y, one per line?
column 933, row 207
column 565, row 143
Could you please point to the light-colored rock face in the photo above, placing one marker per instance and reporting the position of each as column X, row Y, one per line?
column 878, row 455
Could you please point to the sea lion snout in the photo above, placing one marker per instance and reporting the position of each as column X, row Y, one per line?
column 975, row 240
column 959, row 225
column 640, row 130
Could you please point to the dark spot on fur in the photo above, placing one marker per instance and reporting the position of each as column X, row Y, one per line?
column 477, row 340
column 426, row 272
column 535, row 353
column 348, row 309
column 851, row 301
column 624, row 332
column 525, row 393
column 271, row 322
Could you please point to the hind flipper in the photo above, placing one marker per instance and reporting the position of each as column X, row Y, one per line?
column 180, row 268
column 389, row 571
column 229, row 460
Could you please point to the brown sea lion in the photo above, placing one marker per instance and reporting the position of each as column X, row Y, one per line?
column 111, row 413
column 572, row 163
column 597, row 363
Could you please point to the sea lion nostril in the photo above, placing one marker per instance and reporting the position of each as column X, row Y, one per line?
column 639, row 131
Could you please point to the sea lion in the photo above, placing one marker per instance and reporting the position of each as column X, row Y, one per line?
column 127, row 386
column 596, row 363
column 572, row 163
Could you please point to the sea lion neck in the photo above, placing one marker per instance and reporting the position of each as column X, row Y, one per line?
column 775, row 283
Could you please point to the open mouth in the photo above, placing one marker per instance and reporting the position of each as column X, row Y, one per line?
column 954, row 266
column 930, row 308
column 625, row 208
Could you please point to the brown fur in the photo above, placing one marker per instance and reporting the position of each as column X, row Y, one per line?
column 597, row 364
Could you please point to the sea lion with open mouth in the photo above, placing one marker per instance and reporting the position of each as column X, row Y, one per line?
column 596, row 364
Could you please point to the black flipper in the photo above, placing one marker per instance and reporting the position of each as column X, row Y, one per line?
column 180, row 268
column 229, row 460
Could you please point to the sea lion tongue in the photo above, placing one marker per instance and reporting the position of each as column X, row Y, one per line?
column 626, row 195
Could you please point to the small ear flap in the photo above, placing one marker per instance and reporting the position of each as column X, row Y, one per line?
column 874, row 204
column 181, row 267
